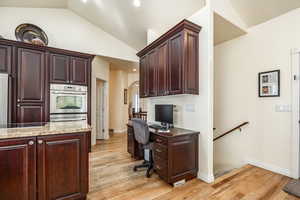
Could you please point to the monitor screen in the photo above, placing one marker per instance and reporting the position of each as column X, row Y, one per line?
column 164, row 113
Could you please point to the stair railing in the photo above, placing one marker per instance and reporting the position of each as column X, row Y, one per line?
column 230, row 131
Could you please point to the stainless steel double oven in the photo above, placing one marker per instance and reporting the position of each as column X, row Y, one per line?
column 68, row 102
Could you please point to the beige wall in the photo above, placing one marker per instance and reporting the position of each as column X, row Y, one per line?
column 100, row 71
column 266, row 142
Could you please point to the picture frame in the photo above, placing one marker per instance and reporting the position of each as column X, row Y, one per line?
column 269, row 84
column 125, row 96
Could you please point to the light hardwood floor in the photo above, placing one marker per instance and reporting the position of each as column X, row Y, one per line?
column 112, row 177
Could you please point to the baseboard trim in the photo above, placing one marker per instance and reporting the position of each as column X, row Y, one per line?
column 206, row 177
column 120, row 131
column 270, row 167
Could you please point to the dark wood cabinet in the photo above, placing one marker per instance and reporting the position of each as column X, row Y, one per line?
column 62, row 162
column 18, row 169
column 162, row 69
column 31, row 69
column 79, row 71
column 144, row 90
column 174, row 59
column 27, row 113
column 31, row 76
column 175, row 64
column 5, row 58
column 69, row 70
column 44, row 167
column 152, row 69
column 59, row 68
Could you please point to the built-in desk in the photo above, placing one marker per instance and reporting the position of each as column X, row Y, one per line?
column 175, row 153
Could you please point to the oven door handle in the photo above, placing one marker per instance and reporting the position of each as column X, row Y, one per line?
column 69, row 93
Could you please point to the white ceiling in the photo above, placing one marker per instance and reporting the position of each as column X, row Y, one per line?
column 35, row 3
column 128, row 23
column 254, row 12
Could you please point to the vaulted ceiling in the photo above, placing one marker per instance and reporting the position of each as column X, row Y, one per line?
column 129, row 24
column 254, row 12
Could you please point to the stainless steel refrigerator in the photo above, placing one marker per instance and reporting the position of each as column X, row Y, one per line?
column 3, row 98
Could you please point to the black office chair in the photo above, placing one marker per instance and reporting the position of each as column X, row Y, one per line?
column 142, row 136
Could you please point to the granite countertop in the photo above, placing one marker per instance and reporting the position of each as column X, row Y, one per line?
column 51, row 128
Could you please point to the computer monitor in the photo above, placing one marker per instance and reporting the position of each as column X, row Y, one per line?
column 164, row 114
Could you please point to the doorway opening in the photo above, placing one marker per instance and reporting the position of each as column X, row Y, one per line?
column 101, row 110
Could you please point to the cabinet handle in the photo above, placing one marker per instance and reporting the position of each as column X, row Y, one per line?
column 18, row 106
column 18, row 100
column 157, row 150
column 40, row 141
column 158, row 167
column 158, row 140
column 31, row 142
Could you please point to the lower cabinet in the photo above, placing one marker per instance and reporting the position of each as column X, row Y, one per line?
column 44, row 168
column 176, row 158
column 18, row 169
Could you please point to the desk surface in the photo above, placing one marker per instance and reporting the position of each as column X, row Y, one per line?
column 174, row 132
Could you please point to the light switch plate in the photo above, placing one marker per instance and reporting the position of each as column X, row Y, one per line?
column 283, row 108
column 190, row 108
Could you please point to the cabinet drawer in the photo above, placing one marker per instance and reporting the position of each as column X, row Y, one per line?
column 160, row 140
column 161, row 167
column 160, row 151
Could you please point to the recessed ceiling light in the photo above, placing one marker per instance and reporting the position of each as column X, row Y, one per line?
column 84, row 1
column 134, row 70
column 137, row 3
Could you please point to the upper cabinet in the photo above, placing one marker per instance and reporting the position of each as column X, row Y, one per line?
column 68, row 70
column 31, row 76
column 5, row 58
column 170, row 64
column 59, row 68
column 79, row 71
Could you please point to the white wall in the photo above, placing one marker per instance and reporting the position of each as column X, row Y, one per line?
column 267, row 140
column 65, row 30
column 100, row 70
column 202, row 119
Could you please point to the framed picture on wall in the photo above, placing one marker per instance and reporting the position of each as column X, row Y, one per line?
column 269, row 84
column 125, row 96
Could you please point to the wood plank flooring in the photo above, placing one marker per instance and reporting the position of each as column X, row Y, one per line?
column 112, row 178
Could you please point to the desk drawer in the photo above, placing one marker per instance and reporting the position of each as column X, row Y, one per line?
column 160, row 140
column 161, row 167
column 160, row 151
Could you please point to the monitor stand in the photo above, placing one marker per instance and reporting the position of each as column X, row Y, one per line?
column 165, row 126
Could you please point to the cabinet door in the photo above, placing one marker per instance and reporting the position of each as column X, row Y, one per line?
column 191, row 63
column 162, row 85
column 59, row 68
column 175, row 63
column 18, row 169
column 185, row 147
column 152, row 68
column 62, row 167
column 31, row 76
column 79, row 71
column 144, row 77
column 30, row 113
column 5, row 59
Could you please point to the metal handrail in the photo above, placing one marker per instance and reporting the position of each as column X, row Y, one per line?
column 237, row 127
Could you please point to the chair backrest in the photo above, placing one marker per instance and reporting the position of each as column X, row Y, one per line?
column 141, row 131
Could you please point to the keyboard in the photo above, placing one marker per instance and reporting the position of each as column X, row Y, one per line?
column 155, row 126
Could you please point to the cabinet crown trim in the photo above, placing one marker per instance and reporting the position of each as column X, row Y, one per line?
column 45, row 48
column 184, row 24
